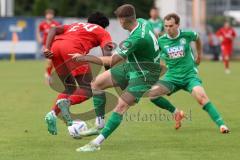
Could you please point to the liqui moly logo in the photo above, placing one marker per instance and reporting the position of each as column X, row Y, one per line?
column 175, row 52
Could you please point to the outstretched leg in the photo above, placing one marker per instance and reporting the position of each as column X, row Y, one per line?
column 124, row 102
column 199, row 94
column 155, row 95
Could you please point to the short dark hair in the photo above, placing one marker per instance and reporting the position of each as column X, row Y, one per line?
column 125, row 11
column 154, row 8
column 49, row 11
column 174, row 16
column 99, row 19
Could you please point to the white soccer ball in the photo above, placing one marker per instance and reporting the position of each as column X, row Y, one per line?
column 76, row 128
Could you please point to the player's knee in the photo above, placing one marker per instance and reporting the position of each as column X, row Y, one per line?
column 121, row 107
column 154, row 92
column 100, row 83
column 202, row 99
column 96, row 85
column 226, row 58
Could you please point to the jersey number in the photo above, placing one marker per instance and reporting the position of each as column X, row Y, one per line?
column 87, row 27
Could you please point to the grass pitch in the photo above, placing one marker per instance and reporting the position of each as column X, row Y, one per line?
column 146, row 131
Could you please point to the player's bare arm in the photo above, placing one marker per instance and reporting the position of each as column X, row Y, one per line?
column 38, row 35
column 107, row 51
column 199, row 50
column 52, row 33
column 104, row 60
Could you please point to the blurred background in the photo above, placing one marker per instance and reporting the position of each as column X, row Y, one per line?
column 20, row 20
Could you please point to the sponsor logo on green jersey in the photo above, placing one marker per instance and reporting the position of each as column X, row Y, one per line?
column 175, row 52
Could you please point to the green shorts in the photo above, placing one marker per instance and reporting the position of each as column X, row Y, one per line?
column 133, row 82
column 175, row 85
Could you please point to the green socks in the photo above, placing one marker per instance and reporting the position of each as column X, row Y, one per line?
column 113, row 122
column 213, row 113
column 99, row 101
column 164, row 104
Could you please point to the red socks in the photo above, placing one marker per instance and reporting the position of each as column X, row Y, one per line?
column 79, row 96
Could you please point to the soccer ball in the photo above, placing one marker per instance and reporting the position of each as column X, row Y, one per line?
column 76, row 128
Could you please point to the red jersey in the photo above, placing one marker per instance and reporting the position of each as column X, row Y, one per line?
column 44, row 27
column 84, row 36
column 227, row 34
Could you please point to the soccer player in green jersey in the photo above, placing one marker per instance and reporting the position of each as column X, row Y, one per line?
column 182, row 70
column 139, row 70
column 156, row 22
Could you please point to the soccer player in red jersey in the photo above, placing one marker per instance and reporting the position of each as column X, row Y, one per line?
column 226, row 35
column 43, row 30
column 68, row 39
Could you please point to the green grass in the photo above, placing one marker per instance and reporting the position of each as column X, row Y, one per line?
column 25, row 99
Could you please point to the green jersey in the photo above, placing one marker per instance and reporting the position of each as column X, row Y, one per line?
column 157, row 25
column 141, row 50
column 178, row 55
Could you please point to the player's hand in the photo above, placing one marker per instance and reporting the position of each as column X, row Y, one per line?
column 198, row 60
column 221, row 38
column 40, row 41
column 77, row 57
column 47, row 53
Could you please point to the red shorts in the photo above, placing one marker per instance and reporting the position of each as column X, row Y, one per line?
column 226, row 49
column 62, row 61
